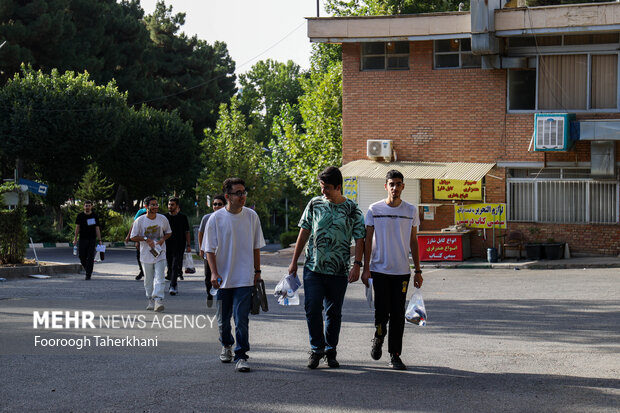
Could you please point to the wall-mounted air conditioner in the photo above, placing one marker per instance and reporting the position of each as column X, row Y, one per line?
column 377, row 148
column 552, row 132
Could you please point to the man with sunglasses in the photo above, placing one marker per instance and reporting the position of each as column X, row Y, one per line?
column 233, row 241
column 219, row 201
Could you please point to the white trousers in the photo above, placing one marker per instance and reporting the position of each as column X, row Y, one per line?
column 154, row 281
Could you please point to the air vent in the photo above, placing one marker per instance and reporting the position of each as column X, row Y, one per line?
column 376, row 148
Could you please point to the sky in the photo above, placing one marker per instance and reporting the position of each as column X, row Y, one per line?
column 253, row 30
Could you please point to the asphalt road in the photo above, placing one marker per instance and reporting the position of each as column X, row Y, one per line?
column 496, row 340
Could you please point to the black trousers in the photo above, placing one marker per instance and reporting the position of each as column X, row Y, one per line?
column 390, row 298
column 175, row 264
column 86, row 248
column 207, row 278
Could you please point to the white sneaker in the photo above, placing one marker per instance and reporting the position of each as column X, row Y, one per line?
column 151, row 304
column 242, row 366
column 226, row 355
column 159, row 305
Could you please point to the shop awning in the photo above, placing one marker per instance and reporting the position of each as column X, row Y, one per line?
column 418, row 170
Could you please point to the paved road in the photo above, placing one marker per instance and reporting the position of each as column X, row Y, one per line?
column 496, row 340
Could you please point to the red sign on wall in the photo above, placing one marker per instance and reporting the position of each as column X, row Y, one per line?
column 440, row 247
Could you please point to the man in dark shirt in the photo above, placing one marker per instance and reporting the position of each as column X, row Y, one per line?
column 87, row 226
column 177, row 244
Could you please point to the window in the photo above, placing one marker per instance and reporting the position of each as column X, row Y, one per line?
column 454, row 53
column 385, row 56
column 561, row 196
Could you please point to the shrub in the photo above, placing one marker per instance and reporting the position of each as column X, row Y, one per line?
column 287, row 238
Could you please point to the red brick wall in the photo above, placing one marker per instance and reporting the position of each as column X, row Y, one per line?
column 453, row 115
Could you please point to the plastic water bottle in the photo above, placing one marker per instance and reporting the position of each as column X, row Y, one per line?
column 75, row 250
column 214, row 290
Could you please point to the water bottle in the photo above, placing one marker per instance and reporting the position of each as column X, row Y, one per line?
column 74, row 249
column 214, row 290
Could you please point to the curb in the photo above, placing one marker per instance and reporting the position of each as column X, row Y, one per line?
column 70, row 244
column 45, row 269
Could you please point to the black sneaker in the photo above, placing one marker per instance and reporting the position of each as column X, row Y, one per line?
column 330, row 359
column 314, row 359
column 396, row 363
column 181, row 277
column 168, row 278
column 139, row 277
column 87, row 277
column 376, row 351
column 209, row 301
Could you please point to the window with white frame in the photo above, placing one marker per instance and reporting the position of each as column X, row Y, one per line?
column 385, row 56
column 561, row 196
column 454, row 53
column 570, row 73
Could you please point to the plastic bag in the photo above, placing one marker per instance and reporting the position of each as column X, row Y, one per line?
column 287, row 290
column 188, row 263
column 97, row 256
column 416, row 312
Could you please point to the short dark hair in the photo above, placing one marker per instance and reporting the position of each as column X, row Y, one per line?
column 394, row 174
column 331, row 175
column 145, row 201
column 230, row 182
column 175, row 199
column 148, row 200
column 221, row 197
column 88, row 201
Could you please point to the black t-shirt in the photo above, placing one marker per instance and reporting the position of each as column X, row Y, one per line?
column 87, row 225
column 179, row 226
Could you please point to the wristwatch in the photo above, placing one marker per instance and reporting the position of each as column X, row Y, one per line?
column 145, row 238
column 361, row 264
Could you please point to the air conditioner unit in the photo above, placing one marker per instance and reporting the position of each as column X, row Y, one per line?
column 552, row 132
column 376, row 148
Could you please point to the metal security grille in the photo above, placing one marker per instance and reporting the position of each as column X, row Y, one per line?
column 563, row 201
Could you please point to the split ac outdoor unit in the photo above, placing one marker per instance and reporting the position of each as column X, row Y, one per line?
column 376, row 148
column 552, row 132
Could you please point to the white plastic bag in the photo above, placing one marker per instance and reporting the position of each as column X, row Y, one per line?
column 416, row 312
column 188, row 263
column 287, row 290
column 97, row 256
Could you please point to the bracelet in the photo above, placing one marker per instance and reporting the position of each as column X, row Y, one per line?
column 361, row 264
column 257, row 271
column 417, row 272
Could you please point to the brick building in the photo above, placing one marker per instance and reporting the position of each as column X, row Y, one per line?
column 457, row 94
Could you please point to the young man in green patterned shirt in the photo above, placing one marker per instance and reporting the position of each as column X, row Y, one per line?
column 328, row 224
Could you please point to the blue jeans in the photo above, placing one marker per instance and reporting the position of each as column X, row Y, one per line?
column 235, row 302
column 323, row 291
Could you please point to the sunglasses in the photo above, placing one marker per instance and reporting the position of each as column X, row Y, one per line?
column 239, row 193
column 218, row 204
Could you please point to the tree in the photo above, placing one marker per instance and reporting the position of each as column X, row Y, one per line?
column 264, row 90
column 304, row 153
column 389, row 7
column 94, row 186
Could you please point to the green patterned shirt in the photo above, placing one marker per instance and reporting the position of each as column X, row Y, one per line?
column 331, row 226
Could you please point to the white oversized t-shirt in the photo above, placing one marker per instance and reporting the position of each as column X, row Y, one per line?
column 233, row 238
column 154, row 229
column 392, row 235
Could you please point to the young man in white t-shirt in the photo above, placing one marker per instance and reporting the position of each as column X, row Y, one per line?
column 232, row 242
column 390, row 235
column 152, row 230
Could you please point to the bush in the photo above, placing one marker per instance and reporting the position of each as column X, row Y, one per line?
column 287, row 238
column 117, row 227
column 41, row 229
column 12, row 228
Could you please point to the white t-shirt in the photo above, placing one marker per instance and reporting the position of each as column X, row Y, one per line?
column 392, row 235
column 154, row 229
column 233, row 238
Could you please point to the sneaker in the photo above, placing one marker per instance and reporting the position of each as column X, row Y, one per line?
column 330, row 359
column 159, row 306
column 376, row 351
column 151, row 305
column 168, row 277
column 396, row 363
column 242, row 366
column 181, row 277
column 87, row 277
column 209, row 301
column 139, row 277
column 173, row 291
column 314, row 359
column 226, row 355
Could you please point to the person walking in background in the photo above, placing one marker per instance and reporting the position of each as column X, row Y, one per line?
column 177, row 244
column 390, row 235
column 87, row 227
column 232, row 242
column 329, row 222
column 152, row 230
column 219, row 202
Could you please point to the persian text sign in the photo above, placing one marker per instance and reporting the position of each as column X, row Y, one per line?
column 350, row 188
column 440, row 247
column 457, row 189
column 481, row 215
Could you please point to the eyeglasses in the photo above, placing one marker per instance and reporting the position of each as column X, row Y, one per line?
column 239, row 193
column 218, row 204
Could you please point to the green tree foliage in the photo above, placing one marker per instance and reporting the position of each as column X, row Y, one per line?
column 229, row 151
column 13, row 237
column 94, row 186
column 264, row 90
column 305, row 151
column 324, row 55
column 389, row 7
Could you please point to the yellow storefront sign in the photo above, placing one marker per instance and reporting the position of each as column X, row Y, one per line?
column 481, row 215
column 454, row 189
